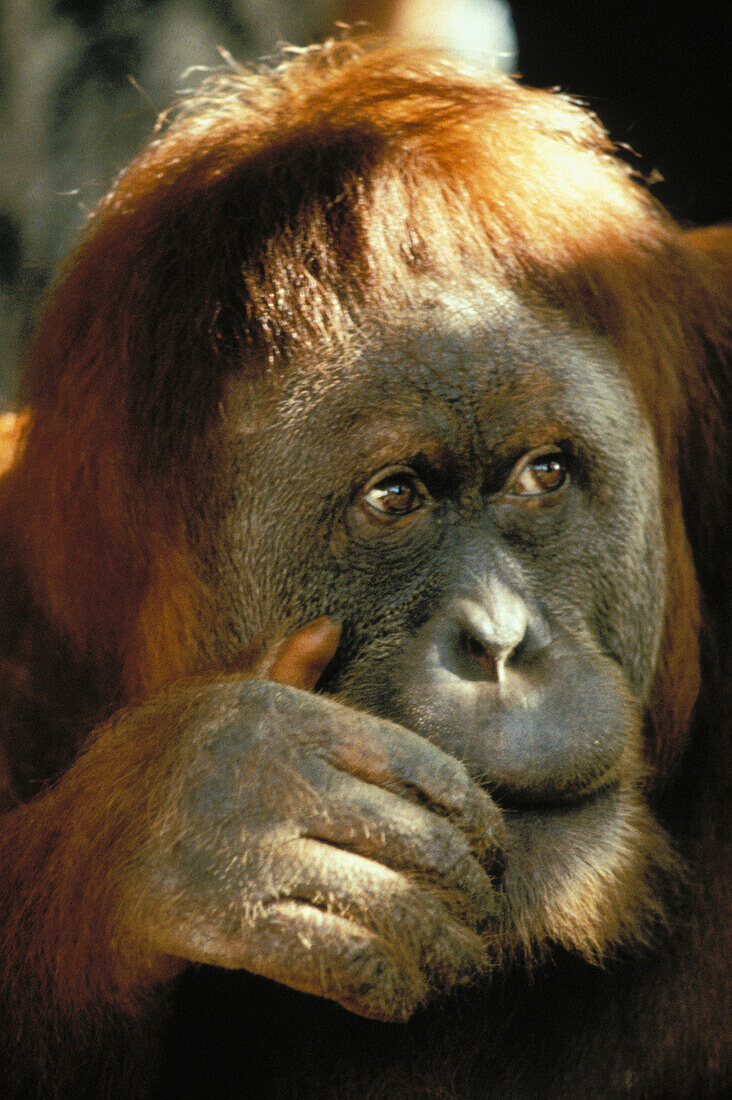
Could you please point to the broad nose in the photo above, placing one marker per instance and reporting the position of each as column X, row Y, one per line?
column 490, row 632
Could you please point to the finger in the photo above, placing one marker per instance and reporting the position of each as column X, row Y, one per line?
column 393, row 757
column 404, row 836
column 327, row 955
column 413, row 921
column 306, row 948
column 303, row 657
column 335, row 924
column 315, row 951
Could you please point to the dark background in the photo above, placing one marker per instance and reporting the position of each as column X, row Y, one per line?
column 657, row 74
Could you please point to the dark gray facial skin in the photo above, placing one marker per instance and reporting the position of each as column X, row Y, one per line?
column 515, row 626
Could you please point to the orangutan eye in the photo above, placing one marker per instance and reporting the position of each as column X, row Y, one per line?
column 395, row 493
column 539, row 474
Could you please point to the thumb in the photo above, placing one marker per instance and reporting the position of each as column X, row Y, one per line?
column 303, row 657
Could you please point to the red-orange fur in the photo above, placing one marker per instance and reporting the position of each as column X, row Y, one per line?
column 444, row 171
column 588, row 237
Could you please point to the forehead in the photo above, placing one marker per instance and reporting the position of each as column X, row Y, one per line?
column 474, row 362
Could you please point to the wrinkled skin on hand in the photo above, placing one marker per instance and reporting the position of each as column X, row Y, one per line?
column 330, row 850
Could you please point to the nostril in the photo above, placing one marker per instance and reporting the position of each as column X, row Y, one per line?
column 471, row 645
column 478, row 653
